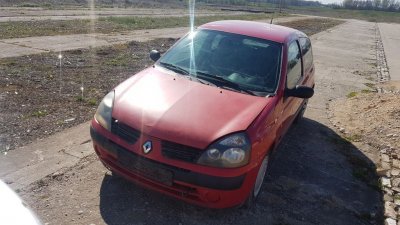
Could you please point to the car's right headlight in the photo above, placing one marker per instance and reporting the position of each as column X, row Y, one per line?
column 231, row 151
column 104, row 111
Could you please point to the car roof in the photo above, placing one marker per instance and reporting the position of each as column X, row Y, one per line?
column 262, row 30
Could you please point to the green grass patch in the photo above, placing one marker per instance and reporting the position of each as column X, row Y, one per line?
column 119, row 60
column 370, row 85
column 39, row 113
column 89, row 101
column 30, row 5
column 366, row 91
column 80, row 98
column 351, row 94
column 92, row 102
column 353, row 137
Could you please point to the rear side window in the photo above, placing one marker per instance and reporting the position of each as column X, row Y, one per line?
column 306, row 49
column 294, row 65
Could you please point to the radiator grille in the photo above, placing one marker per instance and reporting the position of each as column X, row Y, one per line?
column 124, row 131
column 180, row 152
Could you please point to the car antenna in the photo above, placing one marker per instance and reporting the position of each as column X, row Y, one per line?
column 272, row 18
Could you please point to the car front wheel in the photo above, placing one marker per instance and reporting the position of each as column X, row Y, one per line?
column 258, row 184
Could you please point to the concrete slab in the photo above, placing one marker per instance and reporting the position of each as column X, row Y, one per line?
column 12, row 50
column 390, row 34
column 59, row 42
column 30, row 163
column 337, row 57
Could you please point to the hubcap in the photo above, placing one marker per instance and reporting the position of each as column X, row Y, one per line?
column 260, row 176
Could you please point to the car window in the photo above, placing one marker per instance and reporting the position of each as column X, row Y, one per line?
column 294, row 70
column 306, row 49
column 251, row 63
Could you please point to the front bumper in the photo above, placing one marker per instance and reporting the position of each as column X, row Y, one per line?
column 183, row 183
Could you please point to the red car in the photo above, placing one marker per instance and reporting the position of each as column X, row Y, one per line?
column 201, row 123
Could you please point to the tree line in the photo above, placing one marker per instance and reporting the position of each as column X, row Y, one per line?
column 380, row 5
column 261, row 2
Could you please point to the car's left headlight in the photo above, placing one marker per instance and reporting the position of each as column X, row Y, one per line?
column 229, row 152
column 104, row 111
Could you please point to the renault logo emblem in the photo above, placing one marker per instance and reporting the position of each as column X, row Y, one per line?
column 147, row 146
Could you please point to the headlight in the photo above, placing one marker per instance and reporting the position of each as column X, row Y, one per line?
column 229, row 152
column 104, row 111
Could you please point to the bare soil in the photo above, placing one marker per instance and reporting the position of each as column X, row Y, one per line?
column 99, row 3
column 105, row 25
column 371, row 118
column 39, row 97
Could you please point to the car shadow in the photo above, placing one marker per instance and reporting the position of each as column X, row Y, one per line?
column 317, row 177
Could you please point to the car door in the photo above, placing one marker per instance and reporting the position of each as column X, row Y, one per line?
column 294, row 76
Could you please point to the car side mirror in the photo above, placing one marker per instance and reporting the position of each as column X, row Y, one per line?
column 155, row 55
column 300, row 92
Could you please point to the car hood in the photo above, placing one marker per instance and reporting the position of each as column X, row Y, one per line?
column 172, row 107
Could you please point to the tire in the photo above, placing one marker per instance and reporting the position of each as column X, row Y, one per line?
column 255, row 192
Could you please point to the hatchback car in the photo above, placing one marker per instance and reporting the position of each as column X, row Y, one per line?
column 201, row 123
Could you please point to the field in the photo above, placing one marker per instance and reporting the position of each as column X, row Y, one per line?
column 19, row 29
column 368, row 15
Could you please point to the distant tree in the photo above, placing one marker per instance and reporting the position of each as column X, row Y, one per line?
column 384, row 5
column 377, row 4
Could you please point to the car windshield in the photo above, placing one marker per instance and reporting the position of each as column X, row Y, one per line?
column 231, row 60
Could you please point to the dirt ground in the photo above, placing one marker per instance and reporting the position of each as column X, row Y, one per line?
column 58, row 102
column 40, row 98
column 114, row 24
column 371, row 118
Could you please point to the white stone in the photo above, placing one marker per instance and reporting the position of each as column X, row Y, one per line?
column 396, row 163
column 385, row 158
column 396, row 189
column 388, row 191
column 389, row 210
column 385, row 182
column 387, row 197
column 397, row 201
column 385, row 165
column 396, row 182
column 395, row 172
column 390, row 221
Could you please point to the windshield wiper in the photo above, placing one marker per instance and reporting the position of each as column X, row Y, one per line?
column 175, row 68
column 231, row 84
column 181, row 71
